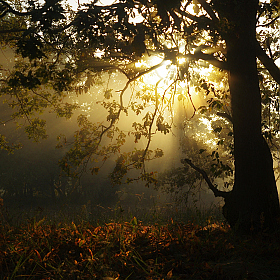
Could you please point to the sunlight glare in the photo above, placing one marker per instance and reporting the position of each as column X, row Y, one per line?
column 165, row 69
column 181, row 60
column 178, row 99
column 207, row 123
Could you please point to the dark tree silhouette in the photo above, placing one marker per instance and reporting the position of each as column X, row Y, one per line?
column 62, row 48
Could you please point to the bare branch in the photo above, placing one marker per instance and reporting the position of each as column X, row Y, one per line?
column 211, row 59
column 150, row 126
column 267, row 24
column 268, row 63
column 208, row 9
column 9, row 9
column 121, row 108
column 217, row 193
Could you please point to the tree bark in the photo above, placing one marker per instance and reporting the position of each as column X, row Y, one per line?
column 253, row 203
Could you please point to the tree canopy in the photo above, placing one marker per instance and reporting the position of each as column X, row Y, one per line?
column 223, row 50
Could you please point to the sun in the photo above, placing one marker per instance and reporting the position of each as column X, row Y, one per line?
column 169, row 87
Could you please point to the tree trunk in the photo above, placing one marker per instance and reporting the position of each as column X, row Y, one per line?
column 253, row 203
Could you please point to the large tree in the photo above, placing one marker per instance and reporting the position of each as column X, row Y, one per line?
column 64, row 52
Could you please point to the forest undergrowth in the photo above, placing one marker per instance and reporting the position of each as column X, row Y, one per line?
column 41, row 249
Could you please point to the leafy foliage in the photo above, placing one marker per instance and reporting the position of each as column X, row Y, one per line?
column 60, row 53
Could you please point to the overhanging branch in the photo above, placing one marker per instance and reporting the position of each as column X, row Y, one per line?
column 268, row 62
column 9, row 9
column 211, row 59
column 269, row 23
column 217, row 193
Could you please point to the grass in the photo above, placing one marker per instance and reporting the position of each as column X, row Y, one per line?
column 42, row 249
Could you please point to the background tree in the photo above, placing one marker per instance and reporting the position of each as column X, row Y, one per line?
column 63, row 53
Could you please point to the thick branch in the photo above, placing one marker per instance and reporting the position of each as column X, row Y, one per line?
column 198, row 54
column 217, row 193
column 211, row 59
column 269, row 23
column 208, row 9
column 268, row 63
column 9, row 9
